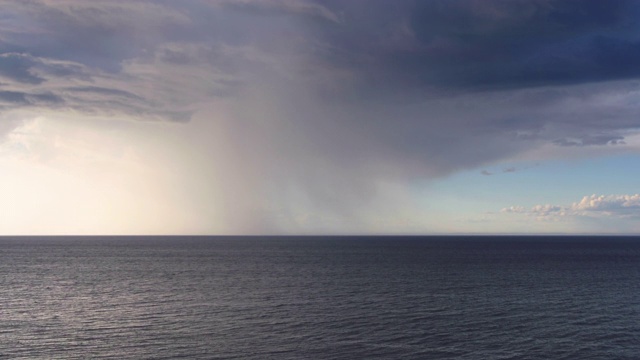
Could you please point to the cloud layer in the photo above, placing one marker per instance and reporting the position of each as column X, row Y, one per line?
column 305, row 113
column 624, row 206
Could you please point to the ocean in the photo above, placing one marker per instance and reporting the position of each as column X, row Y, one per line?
column 320, row 297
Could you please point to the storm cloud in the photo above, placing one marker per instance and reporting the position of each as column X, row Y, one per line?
column 308, row 112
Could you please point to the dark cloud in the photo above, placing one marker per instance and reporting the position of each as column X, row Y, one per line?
column 104, row 91
column 409, row 48
column 17, row 67
column 523, row 43
column 17, row 99
column 339, row 96
column 100, row 34
column 51, row 90
column 600, row 140
column 280, row 7
column 47, row 99
column 149, row 59
column 356, row 52
column 13, row 97
column 470, row 44
column 506, row 170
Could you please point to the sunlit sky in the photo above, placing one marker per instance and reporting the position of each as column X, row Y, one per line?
column 319, row 117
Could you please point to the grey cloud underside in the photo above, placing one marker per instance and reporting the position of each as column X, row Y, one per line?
column 160, row 58
column 592, row 140
column 17, row 68
column 339, row 95
column 67, row 85
column 400, row 48
column 110, row 57
column 472, row 45
column 539, row 66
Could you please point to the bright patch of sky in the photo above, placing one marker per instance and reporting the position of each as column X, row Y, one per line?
column 475, row 198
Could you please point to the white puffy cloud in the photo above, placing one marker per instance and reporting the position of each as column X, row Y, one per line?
column 619, row 206
column 608, row 204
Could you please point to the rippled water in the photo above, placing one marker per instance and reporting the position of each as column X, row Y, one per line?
column 320, row 298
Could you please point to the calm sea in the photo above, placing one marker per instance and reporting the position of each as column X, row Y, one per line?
column 320, row 298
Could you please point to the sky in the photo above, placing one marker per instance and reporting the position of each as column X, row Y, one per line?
column 319, row 117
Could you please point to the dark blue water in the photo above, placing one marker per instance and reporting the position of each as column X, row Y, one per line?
column 320, row 298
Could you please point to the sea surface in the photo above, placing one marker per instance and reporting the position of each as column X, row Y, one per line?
column 320, row 298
